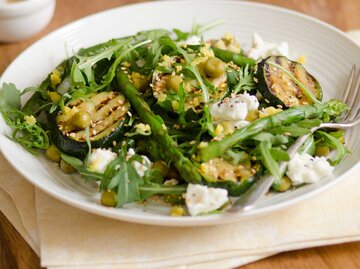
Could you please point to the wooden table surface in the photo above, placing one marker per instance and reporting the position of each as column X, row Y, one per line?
column 344, row 14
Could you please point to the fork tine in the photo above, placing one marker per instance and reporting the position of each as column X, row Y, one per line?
column 348, row 85
column 354, row 105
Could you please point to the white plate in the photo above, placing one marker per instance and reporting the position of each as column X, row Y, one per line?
column 329, row 53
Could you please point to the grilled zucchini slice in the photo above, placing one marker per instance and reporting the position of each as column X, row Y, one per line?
column 105, row 113
column 278, row 88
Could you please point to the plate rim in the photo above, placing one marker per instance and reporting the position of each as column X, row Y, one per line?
column 159, row 220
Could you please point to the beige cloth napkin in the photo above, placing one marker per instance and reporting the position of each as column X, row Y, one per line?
column 331, row 217
column 70, row 238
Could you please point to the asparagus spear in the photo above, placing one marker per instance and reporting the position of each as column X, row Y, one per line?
column 236, row 58
column 330, row 109
column 188, row 171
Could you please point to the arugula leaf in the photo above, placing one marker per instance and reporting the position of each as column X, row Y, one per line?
column 124, row 179
column 263, row 136
column 328, row 140
column 80, row 166
column 10, row 97
column 181, row 35
column 279, row 154
column 246, row 80
column 236, row 157
column 154, row 176
column 268, row 160
column 149, row 189
column 86, row 63
column 198, row 29
column 275, row 140
column 309, row 146
column 206, row 120
column 82, row 72
column 126, row 183
column 26, row 130
column 30, row 135
column 107, row 78
column 182, row 99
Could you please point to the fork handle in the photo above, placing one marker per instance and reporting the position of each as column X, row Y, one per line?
column 248, row 200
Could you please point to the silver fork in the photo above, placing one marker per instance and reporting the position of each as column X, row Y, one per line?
column 351, row 96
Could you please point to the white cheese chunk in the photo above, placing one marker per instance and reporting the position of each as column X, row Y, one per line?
column 234, row 108
column 99, row 159
column 202, row 199
column 140, row 167
column 193, row 40
column 303, row 168
column 262, row 49
column 239, row 124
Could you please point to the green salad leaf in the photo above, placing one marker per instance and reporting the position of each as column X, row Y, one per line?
column 26, row 129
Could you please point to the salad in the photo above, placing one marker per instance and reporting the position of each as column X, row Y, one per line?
column 170, row 117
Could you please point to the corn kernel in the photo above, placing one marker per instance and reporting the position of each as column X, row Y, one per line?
column 219, row 130
column 203, row 168
column 178, row 68
column 177, row 211
column 228, row 37
column 252, row 115
column 55, row 78
column 54, row 96
column 268, row 111
column 301, row 59
column 228, row 127
column 175, row 105
column 139, row 81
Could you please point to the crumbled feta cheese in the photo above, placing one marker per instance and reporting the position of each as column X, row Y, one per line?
column 193, row 40
column 303, row 168
column 171, row 182
column 262, row 49
column 234, row 108
column 140, row 167
column 241, row 123
column 143, row 129
column 99, row 159
column 202, row 199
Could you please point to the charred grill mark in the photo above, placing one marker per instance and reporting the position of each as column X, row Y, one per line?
column 106, row 109
column 293, row 71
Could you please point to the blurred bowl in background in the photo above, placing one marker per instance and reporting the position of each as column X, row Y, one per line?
column 22, row 19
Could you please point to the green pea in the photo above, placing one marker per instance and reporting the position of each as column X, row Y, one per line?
column 214, row 67
column 173, row 82
column 53, row 153
column 108, row 198
column 66, row 167
column 322, row 151
column 284, row 185
column 162, row 167
column 81, row 120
